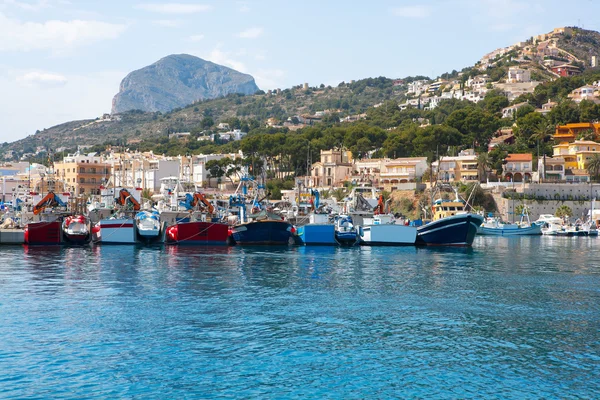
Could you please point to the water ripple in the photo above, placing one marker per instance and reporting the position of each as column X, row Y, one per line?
column 511, row 318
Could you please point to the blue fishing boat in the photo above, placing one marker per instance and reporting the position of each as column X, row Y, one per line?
column 317, row 232
column 346, row 233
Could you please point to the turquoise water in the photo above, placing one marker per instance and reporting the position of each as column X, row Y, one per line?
column 511, row 318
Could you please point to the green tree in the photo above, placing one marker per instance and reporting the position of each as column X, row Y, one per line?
column 593, row 167
column 565, row 112
column 214, row 169
column 339, row 194
column 484, row 165
column 563, row 211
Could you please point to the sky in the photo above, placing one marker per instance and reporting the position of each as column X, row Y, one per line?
column 63, row 60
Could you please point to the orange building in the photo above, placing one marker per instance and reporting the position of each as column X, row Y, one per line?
column 568, row 133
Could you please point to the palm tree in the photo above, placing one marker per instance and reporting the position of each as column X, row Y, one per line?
column 339, row 194
column 563, row 211
column 593, row 166
column 484, row 165
column 542, row 132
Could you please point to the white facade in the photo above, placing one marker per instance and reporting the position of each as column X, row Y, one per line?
column 517, row 75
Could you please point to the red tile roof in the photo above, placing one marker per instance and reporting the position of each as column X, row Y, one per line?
column 519, row 157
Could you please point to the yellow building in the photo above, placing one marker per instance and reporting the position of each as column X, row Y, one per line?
column 577, row 153
column 82, row 174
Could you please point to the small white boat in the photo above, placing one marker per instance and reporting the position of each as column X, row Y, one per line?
column 148, row 224
column 382, row 231
column 551, row 229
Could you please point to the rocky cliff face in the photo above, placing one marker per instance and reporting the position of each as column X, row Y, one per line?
column 176, row 81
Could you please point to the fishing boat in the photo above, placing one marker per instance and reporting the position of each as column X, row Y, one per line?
column 76, row 229
column 119, row 228
column 346, row 234
column 201, row 228
column 48, row 230
column 382, row 231
column 263, row 228
column 495, row 227
column 319, row 231
column 451, row 225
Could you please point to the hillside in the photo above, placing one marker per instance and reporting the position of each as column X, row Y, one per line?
column 286, row 108
column 351, row 98
column 176, row 81
column 582, row 43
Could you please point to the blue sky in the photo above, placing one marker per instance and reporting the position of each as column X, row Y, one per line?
column 62, row 60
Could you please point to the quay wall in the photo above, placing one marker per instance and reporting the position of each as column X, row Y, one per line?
column 535, row 207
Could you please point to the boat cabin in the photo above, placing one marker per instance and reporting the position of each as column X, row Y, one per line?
column 447, row 208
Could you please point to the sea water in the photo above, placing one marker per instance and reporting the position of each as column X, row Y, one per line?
column 510, row 318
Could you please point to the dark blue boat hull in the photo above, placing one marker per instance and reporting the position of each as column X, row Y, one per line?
column 457, row 230
column 263, row 232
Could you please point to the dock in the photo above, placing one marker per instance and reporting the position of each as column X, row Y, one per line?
column 12, row 236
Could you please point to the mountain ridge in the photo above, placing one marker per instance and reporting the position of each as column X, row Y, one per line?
column 176, row 81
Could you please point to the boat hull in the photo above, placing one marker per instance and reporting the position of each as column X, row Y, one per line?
column 198, row 233
column 346, row 238
column 263, row 233
column 457, row 230
column 115, row 231
column 531, row 230
column 317, row 234
column 76, row 230
column 44, row 233
column 388, row 235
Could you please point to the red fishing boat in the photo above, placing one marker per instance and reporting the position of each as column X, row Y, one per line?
column 210, row 232
column 47, row 231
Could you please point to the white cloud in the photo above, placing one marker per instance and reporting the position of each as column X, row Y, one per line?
column 174, row 8
column 54, row 35
column 42, row 79
column 251, row 33
column 168, row 23
column 26, row 108
column 412, row 11
column 196, row 38
column 224, row 58
column 269, row 78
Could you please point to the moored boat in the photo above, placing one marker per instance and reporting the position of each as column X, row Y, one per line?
column 76, row 229
column 47, row 231
column 148, row 225
column 451, row 225
column 495, row 227
column 265, row 229
column 346, row 233
column 198, row 233
column 382, row 231
column 43, row 232
column 317, row 232
column 120, row 227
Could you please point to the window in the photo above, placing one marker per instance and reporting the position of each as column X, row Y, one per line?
column 82, row 170
column 81, row 180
